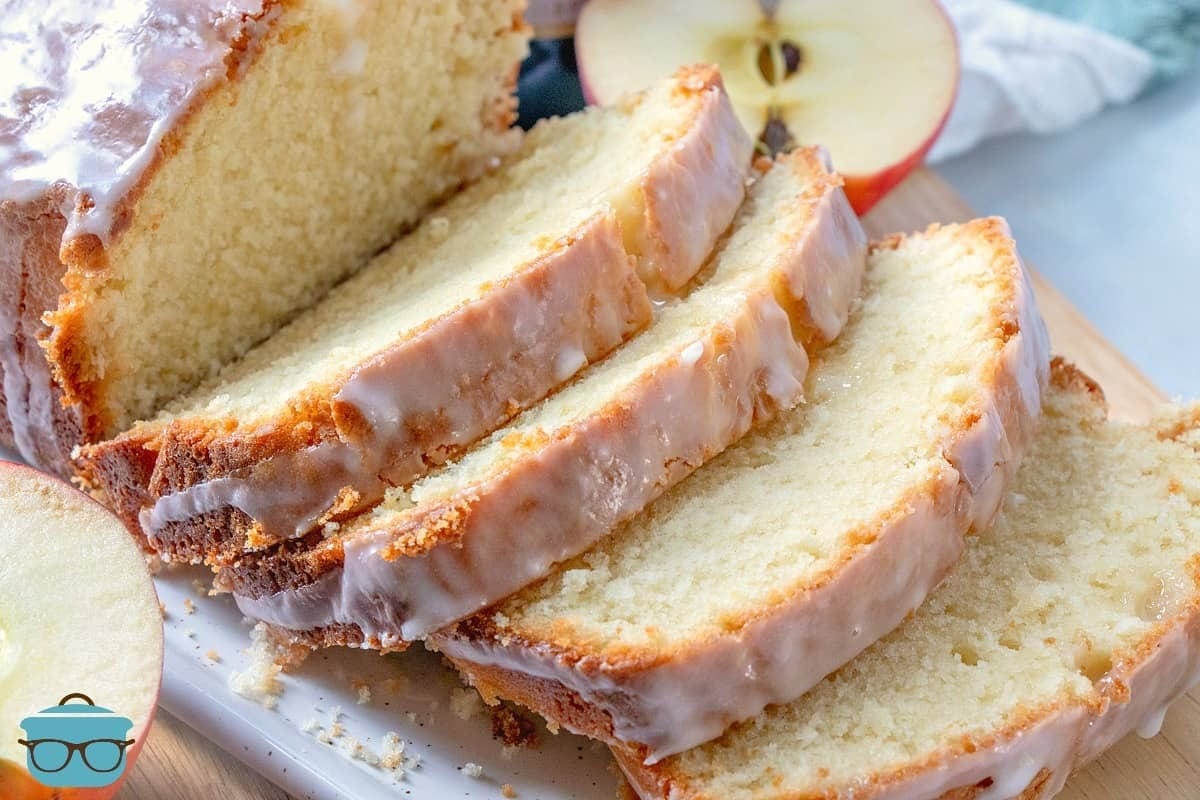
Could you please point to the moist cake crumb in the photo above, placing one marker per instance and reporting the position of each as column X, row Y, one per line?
column 466, row 703
column 361, row 752
column 260, row 680
column 513, row 727
column 392, row 757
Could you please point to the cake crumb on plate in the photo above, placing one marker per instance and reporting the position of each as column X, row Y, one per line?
column 260, row 680
column 465, row 703
column 513, row 727
column 362, row 689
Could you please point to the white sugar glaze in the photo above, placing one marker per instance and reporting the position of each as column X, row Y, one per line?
column 1066, row 738
column 644, row 437
column 672, row 701
column 1059, row 741
column 96, row 85
column 474, row 368
column 464, row 373
column 1011, row 764
column 554, row 503
column 91, row 88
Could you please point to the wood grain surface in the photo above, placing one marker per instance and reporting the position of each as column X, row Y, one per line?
column 179, row 765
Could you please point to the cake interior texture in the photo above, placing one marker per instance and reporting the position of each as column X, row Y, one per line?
column 568, row 171
column 1096, row 550
column 770, row 515
column 348, row 124
column 718, row 293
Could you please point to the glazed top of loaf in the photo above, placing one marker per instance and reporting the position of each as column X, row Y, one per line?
column 88, row 90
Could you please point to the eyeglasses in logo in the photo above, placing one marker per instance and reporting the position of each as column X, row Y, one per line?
column 76, row 745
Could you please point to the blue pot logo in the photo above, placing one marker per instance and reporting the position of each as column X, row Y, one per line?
column 76, row 745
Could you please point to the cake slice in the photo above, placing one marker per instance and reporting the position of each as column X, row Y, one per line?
column 807, row 540
column 177, row 180
column 1070, row 623
column 568, row 471
column 502, row 295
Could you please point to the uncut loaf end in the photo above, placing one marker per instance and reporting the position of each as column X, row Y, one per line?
column 178, row 179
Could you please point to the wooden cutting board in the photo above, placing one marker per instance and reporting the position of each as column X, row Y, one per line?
column 178, row 765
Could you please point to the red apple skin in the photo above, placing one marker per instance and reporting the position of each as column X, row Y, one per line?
column 863, row 191
column 15, row 782
column 581, row 59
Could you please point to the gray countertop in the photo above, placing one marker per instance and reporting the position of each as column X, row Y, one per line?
column 1110, row 213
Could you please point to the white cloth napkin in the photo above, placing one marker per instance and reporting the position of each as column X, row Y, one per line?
column 1027, row 70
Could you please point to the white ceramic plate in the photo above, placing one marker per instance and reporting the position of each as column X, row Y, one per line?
column 196, row 689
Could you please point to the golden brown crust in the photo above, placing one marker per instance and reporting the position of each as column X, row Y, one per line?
column 30, row 282
column 1065, row 375
column 149, row 462
column 86, row 259
column 547, row 697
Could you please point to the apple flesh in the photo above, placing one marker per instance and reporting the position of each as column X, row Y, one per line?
column 872, row 81
column 78, row 613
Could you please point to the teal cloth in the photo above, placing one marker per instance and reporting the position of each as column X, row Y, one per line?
column 1168, row 29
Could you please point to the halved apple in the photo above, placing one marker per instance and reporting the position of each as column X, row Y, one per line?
column 872, row 81
column 78, row 614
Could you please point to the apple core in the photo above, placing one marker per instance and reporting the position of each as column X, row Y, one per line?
column 873, row 82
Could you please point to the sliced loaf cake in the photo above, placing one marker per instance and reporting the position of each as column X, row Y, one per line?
column 810, row 538
column 1070, row 623
column 568, row 471
column 178, row 179
column 502, row 295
